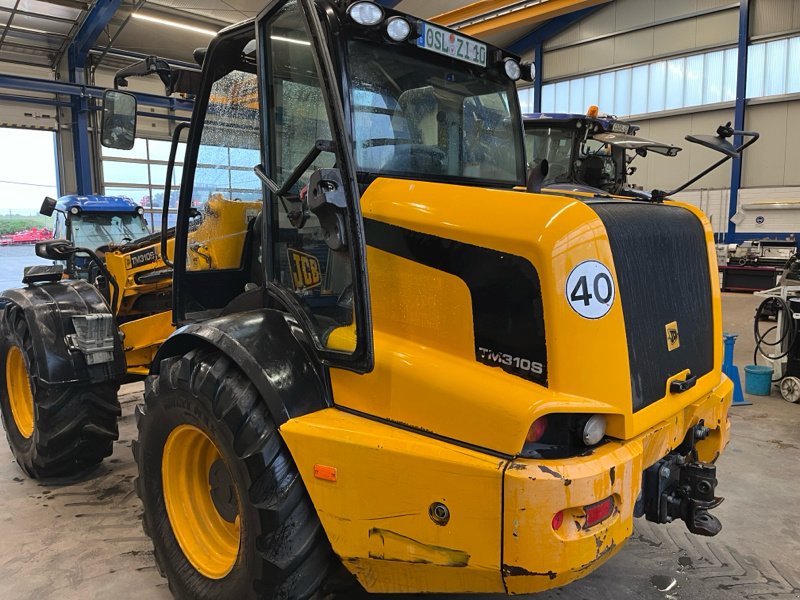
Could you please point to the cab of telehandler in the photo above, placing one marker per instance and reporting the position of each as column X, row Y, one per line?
column 347, row 95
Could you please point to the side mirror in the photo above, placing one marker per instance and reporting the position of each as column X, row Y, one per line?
column 48, row 206
column 719, row 142
column 714, row 142
column 55, row 249
column 118, row 128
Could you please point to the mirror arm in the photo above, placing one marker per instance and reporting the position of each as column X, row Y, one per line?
column 101, row 266
column 660, row 195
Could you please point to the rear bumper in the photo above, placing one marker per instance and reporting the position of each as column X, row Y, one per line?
column 499, row 537
column 537, row 557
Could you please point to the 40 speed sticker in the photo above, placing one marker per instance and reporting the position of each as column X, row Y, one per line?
column 590, row 289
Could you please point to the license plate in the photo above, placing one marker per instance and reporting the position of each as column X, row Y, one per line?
column 453, row 45
column 619, row 127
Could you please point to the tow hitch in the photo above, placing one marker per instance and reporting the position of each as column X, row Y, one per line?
column 680, row 486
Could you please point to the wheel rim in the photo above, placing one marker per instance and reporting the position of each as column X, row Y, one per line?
column 20, row 394
column 198, row 491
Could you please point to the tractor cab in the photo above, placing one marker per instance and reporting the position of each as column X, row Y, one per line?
column 589, row 153
column 94, row 222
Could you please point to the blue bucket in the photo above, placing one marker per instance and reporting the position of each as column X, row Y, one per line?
column 757, row 380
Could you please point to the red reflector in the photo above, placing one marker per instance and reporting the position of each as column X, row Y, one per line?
column 595, row 513
column 558, row 519
column 536, row 431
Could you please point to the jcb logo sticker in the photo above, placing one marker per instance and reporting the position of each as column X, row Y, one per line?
column 306, row 272
column 673, row 339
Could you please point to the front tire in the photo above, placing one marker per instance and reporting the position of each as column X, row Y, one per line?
column 223, row 501
column 53, row 430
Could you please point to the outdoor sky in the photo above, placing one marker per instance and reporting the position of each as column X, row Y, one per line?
column 27, row 170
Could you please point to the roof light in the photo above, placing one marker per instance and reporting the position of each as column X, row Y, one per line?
column 174, row 24
column 594, row 430
column 365, row 13
column 528, row 71
column 140, row 210
column 398, row 29
column 592, row 111
column 513, row 69
column 74, row 210
column 280, row 38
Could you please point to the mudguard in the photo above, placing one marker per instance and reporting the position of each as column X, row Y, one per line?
column 270, row 348
column 48, row 309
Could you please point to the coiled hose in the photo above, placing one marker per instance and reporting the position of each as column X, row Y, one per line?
column 788, row 330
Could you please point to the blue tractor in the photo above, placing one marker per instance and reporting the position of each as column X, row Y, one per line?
column 588, row 153
column 96, row 222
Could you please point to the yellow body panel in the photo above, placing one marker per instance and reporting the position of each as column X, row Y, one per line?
column 422, row 320
column 376, row 512
column 143, row 338
column 217, row 242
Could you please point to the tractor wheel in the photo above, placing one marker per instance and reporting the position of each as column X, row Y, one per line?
column 53, row 430
column 223, row 501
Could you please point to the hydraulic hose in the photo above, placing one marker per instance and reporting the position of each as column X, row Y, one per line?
column 788, row 330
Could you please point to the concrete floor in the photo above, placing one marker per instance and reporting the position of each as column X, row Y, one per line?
column 84, row 539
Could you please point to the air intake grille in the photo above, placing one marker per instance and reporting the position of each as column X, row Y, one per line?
column 661, row 262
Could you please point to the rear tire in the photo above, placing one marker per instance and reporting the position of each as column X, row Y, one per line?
column 53, row 430
column 204, row 399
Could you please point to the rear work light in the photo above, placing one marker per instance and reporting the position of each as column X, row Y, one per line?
column 365, row 13
column 599, row 512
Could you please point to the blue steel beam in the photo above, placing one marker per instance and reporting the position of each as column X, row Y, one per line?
column 50, row 86
column 97, row 19
column 535, row 41
column 738, row 115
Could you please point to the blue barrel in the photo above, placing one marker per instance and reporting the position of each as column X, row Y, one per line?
column 757, row 380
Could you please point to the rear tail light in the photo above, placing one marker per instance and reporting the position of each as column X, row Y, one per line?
column 537, row 430
column 558, row 519
column 599, row 512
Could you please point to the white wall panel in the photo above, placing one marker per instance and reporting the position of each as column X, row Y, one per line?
column 632, row 47
column 634, row 13
column 674, row 8
column 765, row 163
column 773, row 16
column 778, row 208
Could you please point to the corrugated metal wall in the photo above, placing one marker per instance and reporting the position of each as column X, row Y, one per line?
column 577, row 50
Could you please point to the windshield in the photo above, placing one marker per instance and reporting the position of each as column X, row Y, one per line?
column 554, row 145
column 414, row 116
column 99, row 229
column 575, row 160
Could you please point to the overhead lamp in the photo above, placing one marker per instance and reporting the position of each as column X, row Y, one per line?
column 175, row 24
column 280, row 38
column 512, row 69
column 365, row 13
column 398, row 29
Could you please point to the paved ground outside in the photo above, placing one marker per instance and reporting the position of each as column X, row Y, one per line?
column 84, row 539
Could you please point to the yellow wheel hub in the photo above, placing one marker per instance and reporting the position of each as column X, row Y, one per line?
column 202, row 504
column 20, row 395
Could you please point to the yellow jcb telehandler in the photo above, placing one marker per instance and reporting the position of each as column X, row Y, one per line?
column 403, row 361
